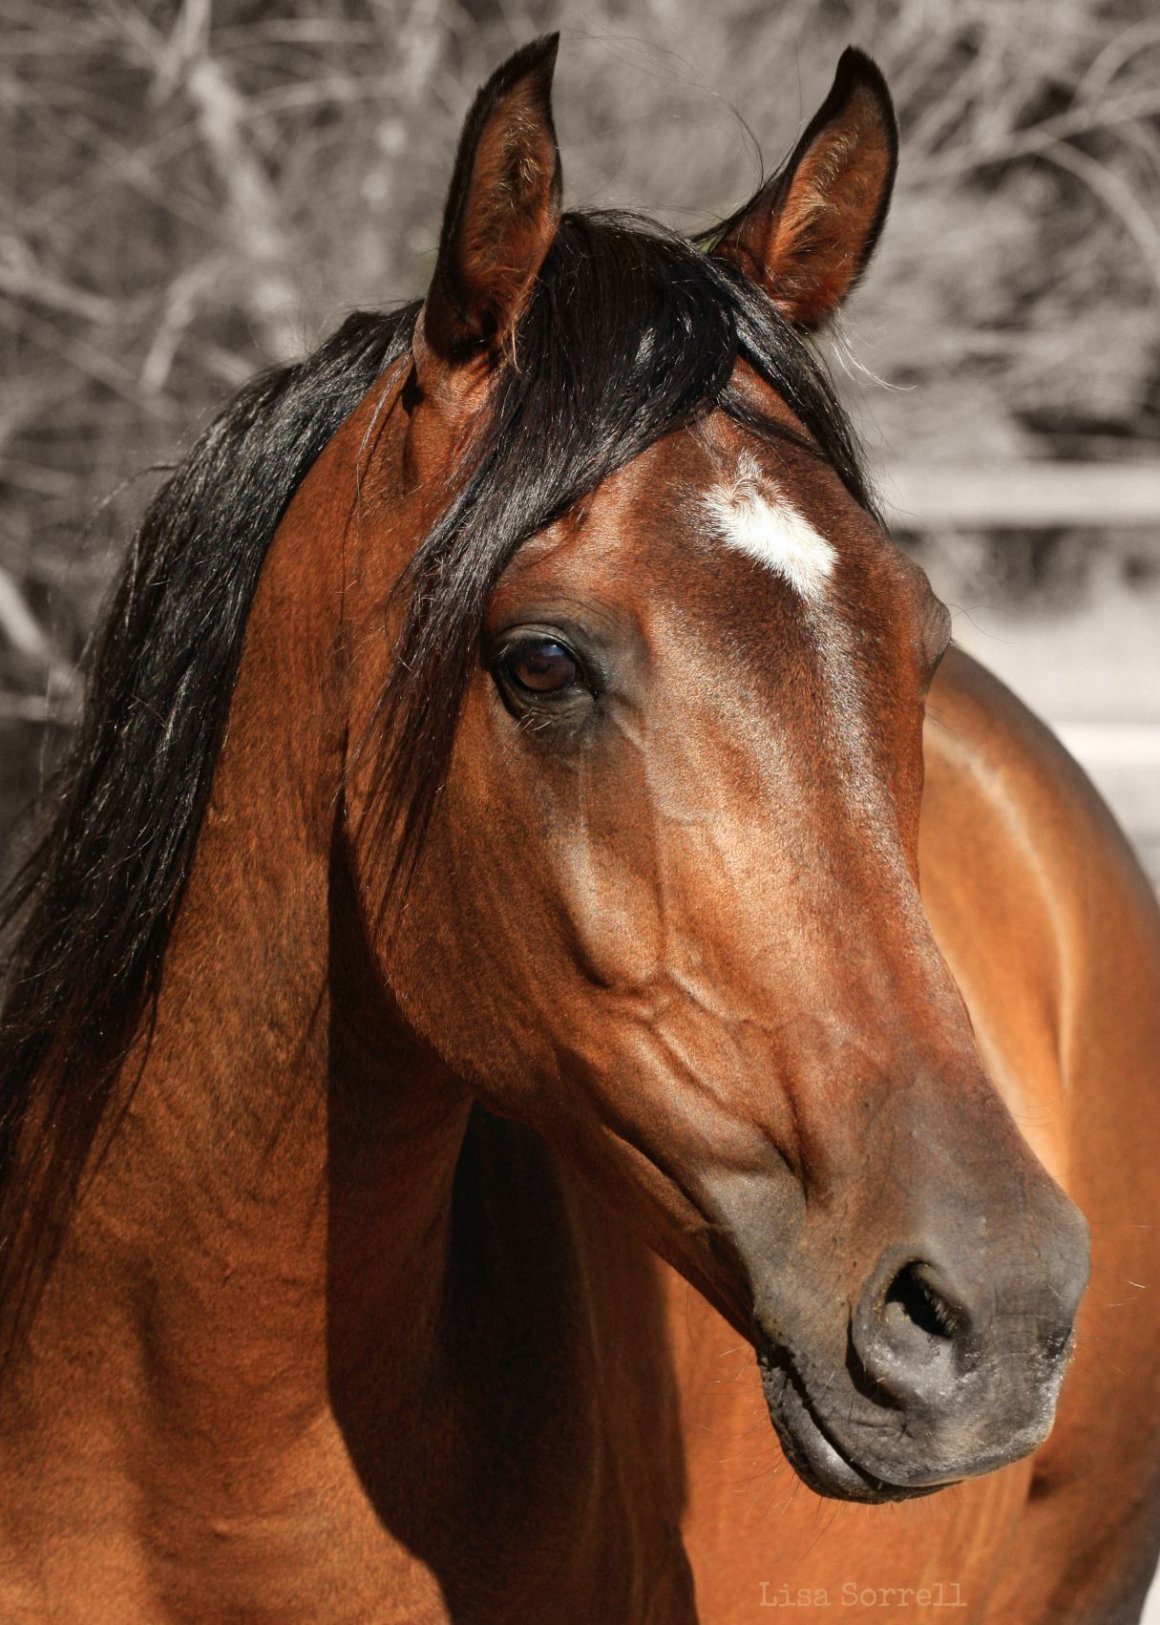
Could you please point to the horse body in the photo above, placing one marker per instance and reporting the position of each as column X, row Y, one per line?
column 316, row 1349
column 357, row 1310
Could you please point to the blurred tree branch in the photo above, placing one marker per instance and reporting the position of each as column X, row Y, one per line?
column 184, row 62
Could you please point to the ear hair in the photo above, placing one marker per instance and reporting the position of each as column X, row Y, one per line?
column 502, row 210
column 808, row 234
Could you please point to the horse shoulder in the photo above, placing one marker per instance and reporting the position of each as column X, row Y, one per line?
column 1044, row 915
column 1052, row 933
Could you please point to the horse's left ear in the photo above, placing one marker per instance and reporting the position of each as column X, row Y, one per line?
column 502, row 210
column 808, row 234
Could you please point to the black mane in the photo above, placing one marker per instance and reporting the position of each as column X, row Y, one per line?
column 632, row 332
column 90, row 909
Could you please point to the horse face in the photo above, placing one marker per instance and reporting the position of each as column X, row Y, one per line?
column 667, row 913
column 678, row 848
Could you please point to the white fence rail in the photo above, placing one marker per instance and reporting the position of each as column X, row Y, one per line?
column 1022, row 496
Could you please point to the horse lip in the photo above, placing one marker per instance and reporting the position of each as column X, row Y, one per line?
column 811, row 1451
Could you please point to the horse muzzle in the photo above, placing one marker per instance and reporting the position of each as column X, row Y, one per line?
column 945, row 1374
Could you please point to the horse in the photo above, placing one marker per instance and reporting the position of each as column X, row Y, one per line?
column 557, row 1033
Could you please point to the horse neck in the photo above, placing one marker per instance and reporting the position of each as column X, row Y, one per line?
column 284, row 1142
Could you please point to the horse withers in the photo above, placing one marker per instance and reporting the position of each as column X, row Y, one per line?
column 477, row 977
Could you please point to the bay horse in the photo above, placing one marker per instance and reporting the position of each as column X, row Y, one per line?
column 544, row 963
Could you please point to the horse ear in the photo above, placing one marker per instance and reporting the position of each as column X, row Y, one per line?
column 502, row 210
column 808, row 234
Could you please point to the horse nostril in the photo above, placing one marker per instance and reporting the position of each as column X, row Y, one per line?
column 913, row 1299
column 954, row 1335
column 912, row 1336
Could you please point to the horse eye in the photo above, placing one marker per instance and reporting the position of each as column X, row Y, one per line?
column 542, row 666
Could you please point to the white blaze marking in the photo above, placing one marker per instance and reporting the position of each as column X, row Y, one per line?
column 751, row 518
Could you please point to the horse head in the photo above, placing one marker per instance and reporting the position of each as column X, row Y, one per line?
column 634, row 789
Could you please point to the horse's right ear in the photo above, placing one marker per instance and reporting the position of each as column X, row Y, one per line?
column 502, row 210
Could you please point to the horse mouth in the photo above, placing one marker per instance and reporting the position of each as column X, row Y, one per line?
column 810, row 1450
